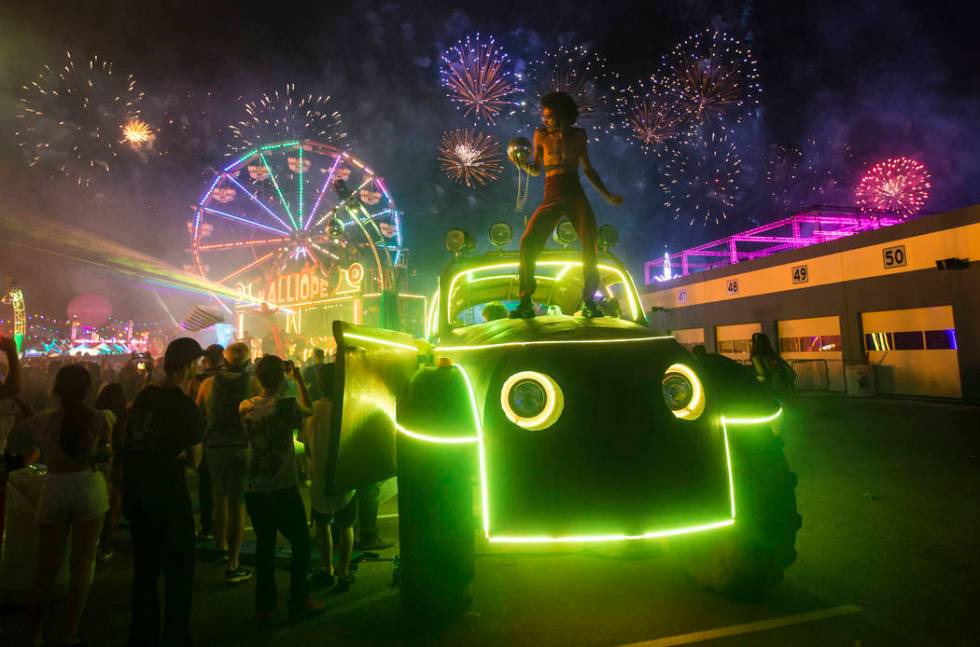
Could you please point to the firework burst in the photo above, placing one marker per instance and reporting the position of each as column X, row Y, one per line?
column 650, row 116
column 713, row 76
column 580, row 73
column 899, row 185
column 797, row 177
column 476, row 77
column 137, row 132
column 70, row 117
column 469, row 157
column 283, row 115
column 700, row 180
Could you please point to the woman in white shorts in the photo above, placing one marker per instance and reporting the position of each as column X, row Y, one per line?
column 73, row 439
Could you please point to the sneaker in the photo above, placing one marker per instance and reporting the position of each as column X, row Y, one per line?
column 322, row 580
column 240, row 574
column 591, row 311
column 307, row 610
column 524, row 310
column 205, row 535
column 222, row 558
column 105, row 556
column 343, row 584
column 374, row 544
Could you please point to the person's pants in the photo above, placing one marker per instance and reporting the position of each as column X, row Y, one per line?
column 162, row 542
column 205, row 500
column 272, row 512
column 563, row 196
column 367, row 513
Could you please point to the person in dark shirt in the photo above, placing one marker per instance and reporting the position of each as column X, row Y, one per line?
column 311, row 374
column 163, row 436
column 273, row 499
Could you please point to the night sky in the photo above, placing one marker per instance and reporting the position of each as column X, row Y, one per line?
column 875, row 78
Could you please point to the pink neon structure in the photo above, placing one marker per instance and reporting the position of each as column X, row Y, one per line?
column 812, row 226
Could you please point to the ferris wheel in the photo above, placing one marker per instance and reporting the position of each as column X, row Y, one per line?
column 297, row 206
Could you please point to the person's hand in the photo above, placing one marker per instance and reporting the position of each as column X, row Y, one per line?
column 614, row 199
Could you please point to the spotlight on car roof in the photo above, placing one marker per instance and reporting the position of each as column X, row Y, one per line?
column 501, row 234
column 458, row 241
column 565, row 233
column 608, row 237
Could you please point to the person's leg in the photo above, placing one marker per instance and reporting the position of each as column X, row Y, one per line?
column 324, row 544
column 236, row 530
column 220, row 523
column 178, row 577
column 535, row 236
column 585, row 227
column 51, row 550
column 292, row 524
column 263, row 515
column 84, row 541
column 205, row 497
column 147, row 542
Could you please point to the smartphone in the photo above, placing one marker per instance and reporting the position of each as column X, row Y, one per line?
column 141, row 366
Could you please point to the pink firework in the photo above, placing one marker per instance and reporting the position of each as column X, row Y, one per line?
column 899, row 185
column 650, row 116
column 475, row 76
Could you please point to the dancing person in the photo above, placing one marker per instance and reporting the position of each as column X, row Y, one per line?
column 71, row 437
column 214, row 360
column 226, row 450
column 112, row 398
column 559, row 149
column 164, row 436
column 273, row 499
column 338, row 509
column 311, row 374
column 9, row 388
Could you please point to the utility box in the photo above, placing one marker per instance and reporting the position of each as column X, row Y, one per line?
column 860, row 380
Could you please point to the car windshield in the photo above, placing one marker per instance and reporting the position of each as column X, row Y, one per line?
column 487, row 293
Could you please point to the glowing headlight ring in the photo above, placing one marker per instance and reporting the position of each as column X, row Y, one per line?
column 553, row 406
column 695, row 407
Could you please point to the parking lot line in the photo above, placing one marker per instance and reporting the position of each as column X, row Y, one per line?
column 751, row 627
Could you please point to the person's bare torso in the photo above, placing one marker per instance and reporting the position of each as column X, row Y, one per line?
column 560, row 150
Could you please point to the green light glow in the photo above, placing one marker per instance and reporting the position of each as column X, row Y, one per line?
column 275, row 184
column 728, row 461
column 554, row 402
column 574, row 539
column 383, row 342
column 552, row 343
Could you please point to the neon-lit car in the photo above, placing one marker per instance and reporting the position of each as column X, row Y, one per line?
column 560, row 429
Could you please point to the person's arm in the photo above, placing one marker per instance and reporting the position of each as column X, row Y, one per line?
column 11, row 385
column 589, row 171
column 195, row 455
column 203, row 392
column 534, row 166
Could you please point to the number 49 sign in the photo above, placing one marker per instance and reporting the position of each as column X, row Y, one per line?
column 800, row 274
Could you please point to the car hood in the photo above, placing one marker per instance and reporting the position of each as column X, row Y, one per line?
column 552, row 328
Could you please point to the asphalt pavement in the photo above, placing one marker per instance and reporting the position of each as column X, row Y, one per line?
column 889, row 490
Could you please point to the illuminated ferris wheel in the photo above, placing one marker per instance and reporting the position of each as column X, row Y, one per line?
column 297, row 207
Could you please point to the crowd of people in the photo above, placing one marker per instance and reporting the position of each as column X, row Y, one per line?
column 118, row 439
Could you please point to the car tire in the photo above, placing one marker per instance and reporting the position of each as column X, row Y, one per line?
column 436, row 526
column 748, row 559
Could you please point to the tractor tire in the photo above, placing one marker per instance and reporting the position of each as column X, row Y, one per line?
column 435, row 526
column 745, row 561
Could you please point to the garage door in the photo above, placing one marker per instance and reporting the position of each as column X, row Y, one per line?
column 812, row 346
column 735, row 340
column 913, row 351
column 689, row 337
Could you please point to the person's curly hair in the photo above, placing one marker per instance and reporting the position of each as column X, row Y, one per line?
column 562, row 104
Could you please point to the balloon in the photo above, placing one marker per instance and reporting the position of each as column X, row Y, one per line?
column 519, row 151
column 90, row 309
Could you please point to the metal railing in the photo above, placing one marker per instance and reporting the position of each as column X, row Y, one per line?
column 811, row 374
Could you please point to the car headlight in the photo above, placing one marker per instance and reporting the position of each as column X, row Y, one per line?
column 532, row 400
column 683, row 392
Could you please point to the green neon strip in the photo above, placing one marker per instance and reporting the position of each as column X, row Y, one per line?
column 282, row 198
column 752, row 421
column 728, row 460
column 550, row 343
column 623, row 276
column 246, row 156
column 672, row 532
column 383, row 342
column 269, row 147
column 442, row 440
column 300, row 205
